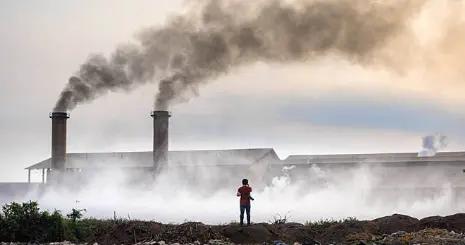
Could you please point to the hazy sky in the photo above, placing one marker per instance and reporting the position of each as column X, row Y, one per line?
column 326, row 106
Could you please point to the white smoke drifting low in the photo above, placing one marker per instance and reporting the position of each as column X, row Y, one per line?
column 310, row 193
column 432, row 144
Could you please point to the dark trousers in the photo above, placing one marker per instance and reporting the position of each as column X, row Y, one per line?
column 245, row 208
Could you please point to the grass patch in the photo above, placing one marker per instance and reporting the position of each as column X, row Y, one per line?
column 324, row 224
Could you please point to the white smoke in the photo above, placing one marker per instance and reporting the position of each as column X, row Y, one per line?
column 432, row 144
column 302, row 192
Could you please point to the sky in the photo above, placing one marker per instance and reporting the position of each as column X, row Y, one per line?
column 328, row 105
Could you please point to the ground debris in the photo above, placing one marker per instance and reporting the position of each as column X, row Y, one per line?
column 211, row 242
column 264, row 234
column 425, row 236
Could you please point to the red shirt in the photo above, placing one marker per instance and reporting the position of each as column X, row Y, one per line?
column 245, row 194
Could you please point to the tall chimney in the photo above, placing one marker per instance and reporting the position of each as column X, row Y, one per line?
column 58, row 140
column 160, row 138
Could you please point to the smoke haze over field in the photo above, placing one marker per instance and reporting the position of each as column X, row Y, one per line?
column 201, row 45
column 302, row 194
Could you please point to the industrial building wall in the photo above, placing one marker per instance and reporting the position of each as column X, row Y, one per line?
column 392, row 175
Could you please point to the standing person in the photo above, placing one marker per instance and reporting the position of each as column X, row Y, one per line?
column 244, row 193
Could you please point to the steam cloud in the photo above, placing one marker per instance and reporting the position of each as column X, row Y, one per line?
column 201, row 45
column 319, row 192
column 432, row 144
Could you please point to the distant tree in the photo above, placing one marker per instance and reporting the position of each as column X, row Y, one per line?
column 76, row 214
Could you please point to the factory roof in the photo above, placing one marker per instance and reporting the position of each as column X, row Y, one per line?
column 237, row 157
column 230, row 157
column 450, row 157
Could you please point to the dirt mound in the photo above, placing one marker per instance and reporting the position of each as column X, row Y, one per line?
column 295, row 232
column 257, row 233
column 138, row 231
column 127, row 232
column 189, row 232
column 344, row 231
column 394, row 229
column 396, row 222
column 454, row 222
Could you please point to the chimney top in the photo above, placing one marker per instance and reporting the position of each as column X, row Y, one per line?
column 156, row 114
column 59, row 115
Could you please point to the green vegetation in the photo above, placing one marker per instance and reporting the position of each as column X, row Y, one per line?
column 279, row 220
column 25, row 222
column 324, row 224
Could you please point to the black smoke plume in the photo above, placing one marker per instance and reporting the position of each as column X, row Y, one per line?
column 221, row 35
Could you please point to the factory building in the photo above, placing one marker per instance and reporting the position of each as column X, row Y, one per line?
column 259, row 165
column 233, row 162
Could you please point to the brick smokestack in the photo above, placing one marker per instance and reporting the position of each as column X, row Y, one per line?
column 58, row 140
column 160, row 138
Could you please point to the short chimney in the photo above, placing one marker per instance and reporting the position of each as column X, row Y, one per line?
column 160, row 138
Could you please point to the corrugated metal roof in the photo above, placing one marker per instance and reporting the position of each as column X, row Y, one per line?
column 375, row 158
column 178, row 158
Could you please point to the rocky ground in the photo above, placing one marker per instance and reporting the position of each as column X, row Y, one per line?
column 395, row 229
